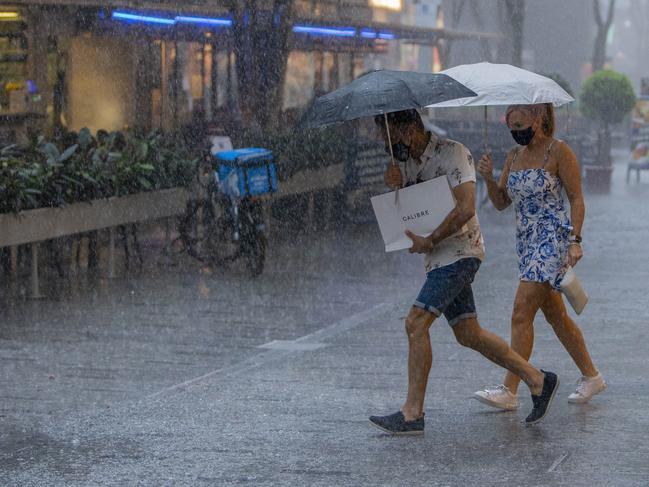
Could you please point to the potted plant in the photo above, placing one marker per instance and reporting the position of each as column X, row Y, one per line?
column 606, row 97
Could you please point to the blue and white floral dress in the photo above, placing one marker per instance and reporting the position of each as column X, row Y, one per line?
column 542, row 224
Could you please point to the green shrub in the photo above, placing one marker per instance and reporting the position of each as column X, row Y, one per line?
column 19, row 182
column 607, row 96
column 77, row 167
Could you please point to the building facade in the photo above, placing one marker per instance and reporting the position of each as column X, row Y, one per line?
column 107, row 65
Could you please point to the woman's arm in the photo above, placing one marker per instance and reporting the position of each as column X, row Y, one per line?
column 497, row 191
column 570, row 175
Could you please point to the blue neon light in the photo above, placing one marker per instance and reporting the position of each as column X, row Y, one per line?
column 225, row 22
column 142, row 18
column 328, row 31
column 204, row 20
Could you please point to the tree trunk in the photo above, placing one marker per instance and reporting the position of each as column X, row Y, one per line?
column 261, row 46
column 515, row 16
column 456, row 8
column 604, row 145
column 603, row 26
column 599, row 51
column 485, row 45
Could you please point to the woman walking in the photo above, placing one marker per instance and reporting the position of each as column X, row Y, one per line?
column 548, row 240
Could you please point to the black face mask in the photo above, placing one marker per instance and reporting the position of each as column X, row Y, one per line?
column 523, row 137
column 401, row 151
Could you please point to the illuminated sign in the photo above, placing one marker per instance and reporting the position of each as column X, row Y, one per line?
column 387, row 4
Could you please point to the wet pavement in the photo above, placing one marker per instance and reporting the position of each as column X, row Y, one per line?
column 181, row 377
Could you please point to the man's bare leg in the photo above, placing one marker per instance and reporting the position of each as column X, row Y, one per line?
column 420, row 359
column 526, row 305
column 470, row 334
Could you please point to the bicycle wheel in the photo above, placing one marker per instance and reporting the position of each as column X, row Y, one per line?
column 255, row 255
column 206, row 230
column 253, row 240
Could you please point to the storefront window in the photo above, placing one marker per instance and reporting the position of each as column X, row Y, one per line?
column 13, row 54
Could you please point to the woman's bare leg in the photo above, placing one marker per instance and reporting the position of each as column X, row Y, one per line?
column 529, row 297
column 568, row 332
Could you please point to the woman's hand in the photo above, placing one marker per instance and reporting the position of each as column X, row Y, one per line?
column 392, row 177
column 486, row 167
column 575, row 253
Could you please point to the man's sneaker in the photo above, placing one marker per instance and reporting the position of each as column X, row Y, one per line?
column 396, row 424
column 587, row 387
column 498, row 397
column 542, row 401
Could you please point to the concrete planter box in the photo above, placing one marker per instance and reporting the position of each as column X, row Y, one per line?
column 598, row 178
column 48, row 223
column 33, row 226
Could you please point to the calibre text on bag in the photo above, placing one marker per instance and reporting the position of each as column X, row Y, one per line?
column 419, row 214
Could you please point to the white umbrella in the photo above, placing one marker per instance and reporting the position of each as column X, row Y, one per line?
column 503, row 84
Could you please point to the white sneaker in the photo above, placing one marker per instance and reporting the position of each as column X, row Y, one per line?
column 498, row 397
column 587, row 387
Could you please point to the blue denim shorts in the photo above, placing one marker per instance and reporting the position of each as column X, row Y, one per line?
column 447, row 291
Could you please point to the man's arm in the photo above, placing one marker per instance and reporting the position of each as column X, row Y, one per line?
column 458, row 217
column 464, row 210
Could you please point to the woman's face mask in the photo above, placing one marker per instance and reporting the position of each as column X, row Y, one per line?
column 523, row 136
column 521, row 124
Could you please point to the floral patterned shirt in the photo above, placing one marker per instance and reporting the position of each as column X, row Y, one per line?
column 445, row 157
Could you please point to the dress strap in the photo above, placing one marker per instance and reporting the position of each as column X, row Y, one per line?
column 547, row 153
column 517, row 150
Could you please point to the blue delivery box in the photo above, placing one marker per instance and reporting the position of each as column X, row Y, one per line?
column 246, row 172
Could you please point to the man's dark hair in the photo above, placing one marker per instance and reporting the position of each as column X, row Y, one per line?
column 401, row 119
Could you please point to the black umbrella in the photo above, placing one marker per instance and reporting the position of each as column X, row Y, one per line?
column 381, row 92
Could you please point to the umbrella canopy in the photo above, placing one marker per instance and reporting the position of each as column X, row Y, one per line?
column 504, row 84
column 383, row 91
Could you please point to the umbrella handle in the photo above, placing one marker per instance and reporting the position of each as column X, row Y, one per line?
column 485, row 134
column 387, row 128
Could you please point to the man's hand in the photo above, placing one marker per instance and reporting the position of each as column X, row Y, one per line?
column 420, row 245
column 392, row 177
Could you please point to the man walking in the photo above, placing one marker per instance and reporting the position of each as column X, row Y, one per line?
column 453, row 254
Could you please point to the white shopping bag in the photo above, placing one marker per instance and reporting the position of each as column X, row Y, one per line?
column 420, row 208
column 572, row 288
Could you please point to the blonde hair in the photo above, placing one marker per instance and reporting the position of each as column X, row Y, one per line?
column 543, row 110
